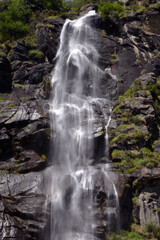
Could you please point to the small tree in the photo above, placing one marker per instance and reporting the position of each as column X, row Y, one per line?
column 14, row 19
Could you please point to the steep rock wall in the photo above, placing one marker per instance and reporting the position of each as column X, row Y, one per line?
column 130, row 46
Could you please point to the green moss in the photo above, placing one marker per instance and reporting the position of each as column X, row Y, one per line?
column 42, row 25
column 4, row 171
column 136, row 86
column 129, row 135
column 2, row 54
column 50, row 17
column 113, row 57
column 137, row 62
column 118, row 154
column 130, row 161
column 135, row 200
column 157, row 55
column 155, row 5
column 103, row 32
column 17, row 85
column 127, row 185
column 2, row 99
column 158, row 210
column 134, row 135
column 153, row 89
column 36, row 54
column 118, row 108
column 30, row 41
column 44, row 157
column 24, row 98
column 11, row 105
column 122, row 119
column 137, row 120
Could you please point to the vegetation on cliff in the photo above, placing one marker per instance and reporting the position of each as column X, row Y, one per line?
column 137, row 116
column 17, row 17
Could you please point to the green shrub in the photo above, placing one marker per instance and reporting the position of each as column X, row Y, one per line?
column 107, row 9
column 154, row 230
column 30, row 41
column 36, row 54
column 126, row 235
column 118, row 154
column 14, row 19
column 13, row 30
column 133, row 236
column 50, row 4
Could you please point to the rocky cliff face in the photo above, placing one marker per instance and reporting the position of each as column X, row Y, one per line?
column 130, row 47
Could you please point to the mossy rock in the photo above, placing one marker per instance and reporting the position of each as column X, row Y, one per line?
column 36, row 55
column 2, row 55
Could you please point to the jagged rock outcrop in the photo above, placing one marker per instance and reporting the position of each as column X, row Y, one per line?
column 48, row 36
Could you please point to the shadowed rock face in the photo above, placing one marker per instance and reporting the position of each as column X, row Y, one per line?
column 5, row 75
column 131, row 48
column 48, row 37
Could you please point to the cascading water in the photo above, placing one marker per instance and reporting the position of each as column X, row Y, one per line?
column 79, row 119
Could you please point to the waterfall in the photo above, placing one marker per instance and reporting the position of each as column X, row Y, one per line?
column 84, row 201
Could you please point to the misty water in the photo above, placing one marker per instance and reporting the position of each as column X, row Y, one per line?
column 84, row 200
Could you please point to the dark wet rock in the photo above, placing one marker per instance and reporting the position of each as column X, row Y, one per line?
column 21, row 75
column 24, row 133
column 48, row 37
column 16, row 65
column 23, row 199
column 5, row 75
column 31, row 74
column 19, row 52
column 38, row 72
column 26, row 161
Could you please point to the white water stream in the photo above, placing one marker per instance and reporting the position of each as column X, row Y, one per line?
column 79, row 116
